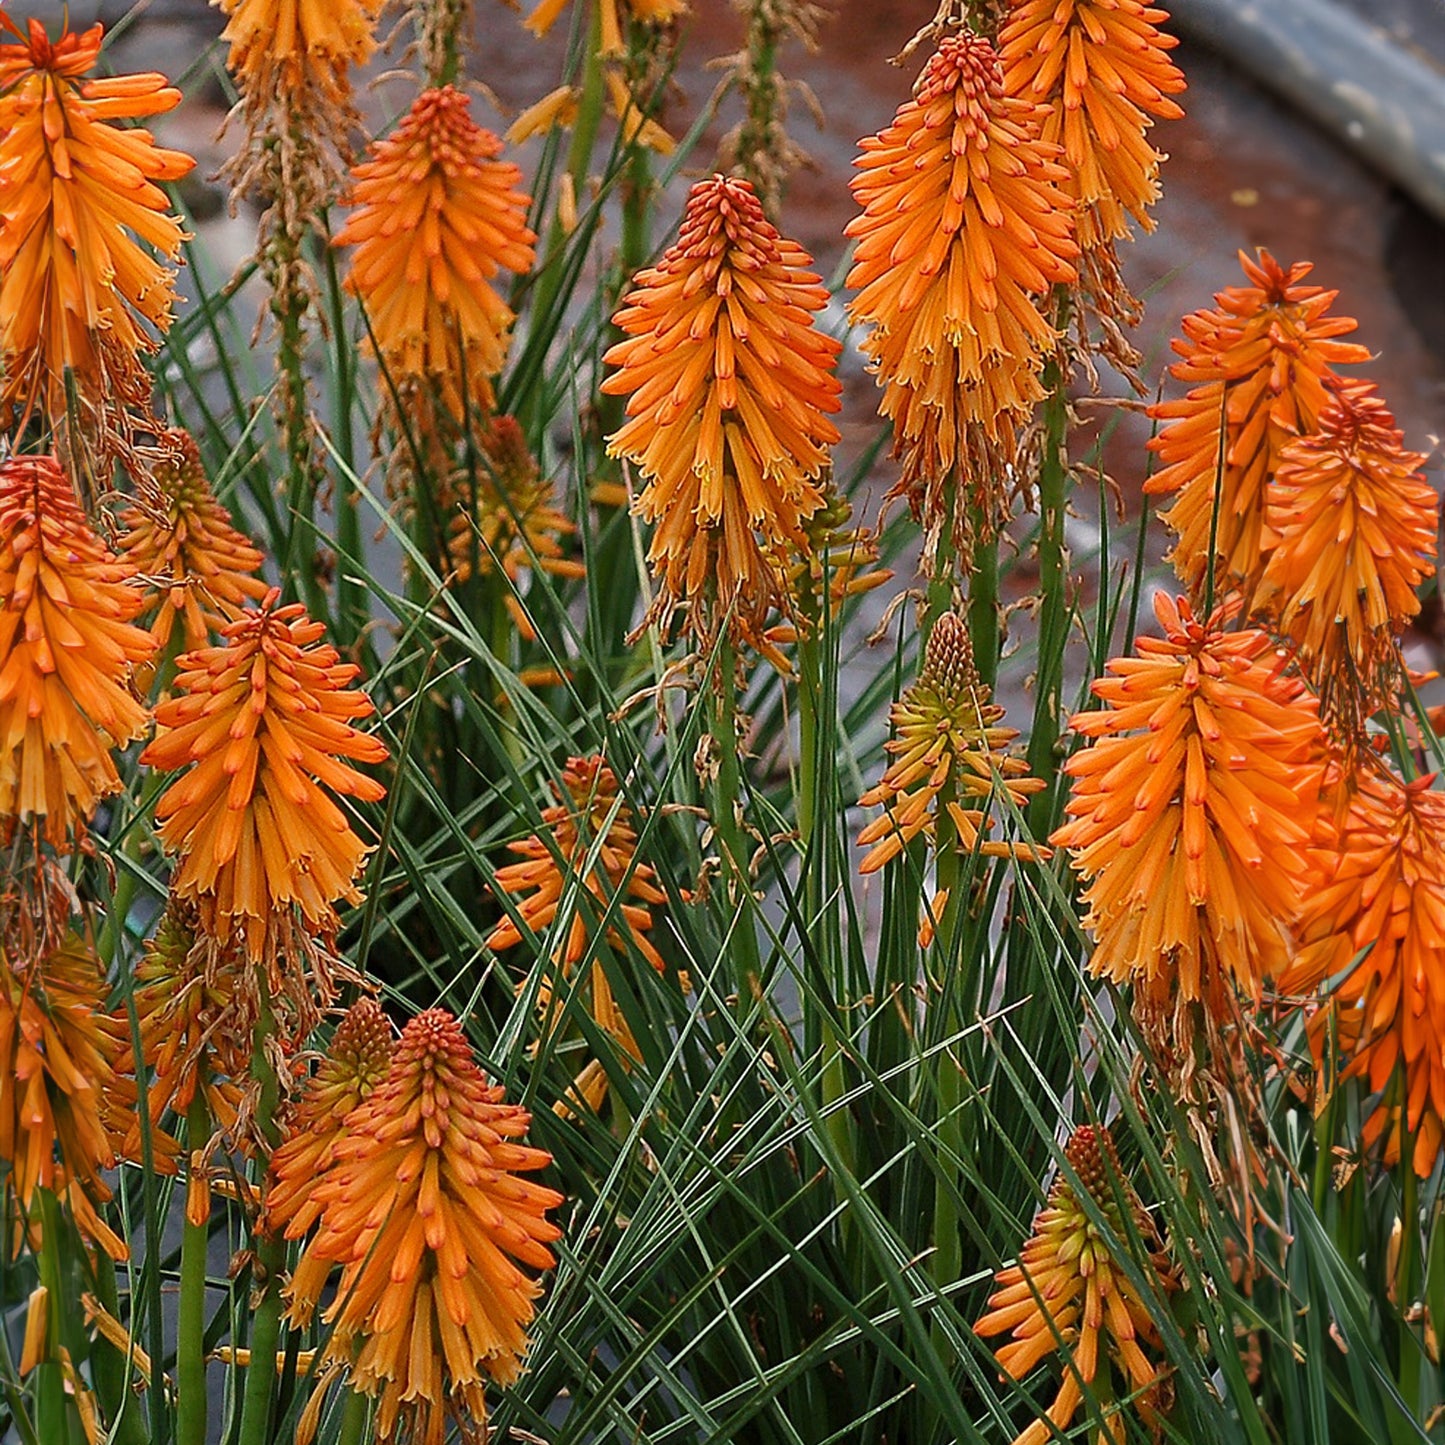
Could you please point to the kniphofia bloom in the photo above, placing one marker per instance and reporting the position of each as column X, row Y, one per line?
column 262, row 724
column 729, row 386
column 82, row 222
column 1103, row 69
column 355, row 1063
column 1350, row 525
column 965, row 228
column 1068, row 1295
column 180, row 540
column 950, row 756
column 1191, row 809
column 611, row 14
column 426, row 1208
column 62, row 1100
column 1259, row 366
column 1380, row 889
column 67, row 648
column 435, row 217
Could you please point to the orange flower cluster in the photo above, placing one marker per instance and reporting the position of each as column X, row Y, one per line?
column 77, row 292
column 729, row 384
column 1380, row 887
column 1350, row 526
column 356, row 1062
column 262, row 722
column 436, row 216
column 182, row 543
column 965, row 227
column 590, row 821
column 1068, row 1295
column 1103, row 69
column 289, row 52
column 1190, row 813
column 424, row 1209
column 1260, row 364
column 951, row 754
column 62, row 1102
column 66, row 652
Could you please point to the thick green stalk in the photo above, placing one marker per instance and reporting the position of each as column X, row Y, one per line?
column 983, row 607
column 270, row 1256
column 113, row 1373
column 55, row 1420
column 191, row 1311
column 354, row 1417
column 1053, row 617
column 1411, row 1348
column 350, row 592
column 727, row 818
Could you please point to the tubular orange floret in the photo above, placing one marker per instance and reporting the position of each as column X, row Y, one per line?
column 1261, row 362
column 1103, row 69
column 1350, row 526
column 1380, row 890
column 965, row 228
column 64, row 1099
column 1068, row 1295
column 261, row 723
column 77, row 292
column 424, row 1208
column 1191, row 809
column 436, row 216
column 66, row 652
column 950, row 752
column 180, row 540
column 729, row 386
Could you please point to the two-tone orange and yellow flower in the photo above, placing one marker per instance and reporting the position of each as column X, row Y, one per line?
column 1068, row 1295
column 1260, row 364
column 950, row 759
column 426, row 1208
column 1191, row 810
column 1102, row 68
column 179, row 539
column 435, row 217
column 1379, row 891
column 966, row 226
column 261, row 724
column 67, row 648
column 82, row 222
column 729, row 385
column 1350, row 526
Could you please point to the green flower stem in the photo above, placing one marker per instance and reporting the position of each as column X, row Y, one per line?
column 1411, row 1348
column 351, row 615
column 113, row 1373
column 983, row 609
column 191, row 1315
column 55, row 1420
column 1053, row 615
column 270, row 1255
column 727, row 818
column 354, row 1417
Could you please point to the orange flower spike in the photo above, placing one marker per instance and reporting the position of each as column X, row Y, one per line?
column 61, row 1095
column 436, row 216
column 66, row 651
column 729, row 386
column 1384, row 891
column 202, row 567
column 282, row 48
column 1260, row 363
column 76, row 290
column 425, row 1209
column 1191, row 809
column 1103, row 69
column 589, row 808
column 355, row 1064
column 1068, row 1287
column 965, row 227
column 948, row 747
column 1352, row 525
column 262, row 722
